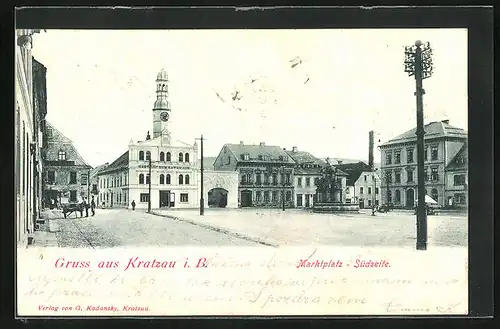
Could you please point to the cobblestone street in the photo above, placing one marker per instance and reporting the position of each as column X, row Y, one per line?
column 110, row 228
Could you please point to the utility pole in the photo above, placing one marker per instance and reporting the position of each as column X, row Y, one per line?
column 418, row 63
column 88, row 186
column 374, row 208
column 202, row 199
column 149, row 182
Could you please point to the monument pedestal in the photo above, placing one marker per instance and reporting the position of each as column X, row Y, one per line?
column 335, row 207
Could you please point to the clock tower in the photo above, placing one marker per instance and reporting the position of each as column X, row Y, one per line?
column 161, row 109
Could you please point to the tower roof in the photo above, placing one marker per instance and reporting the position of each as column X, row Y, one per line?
column 162, row 75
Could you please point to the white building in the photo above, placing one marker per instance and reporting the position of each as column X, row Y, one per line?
column 172, row 166
column 367, row 189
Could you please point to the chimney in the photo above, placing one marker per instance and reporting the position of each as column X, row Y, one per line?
column 370, row 149
column 294, row 149
column 262, row 144
column 241, row 143
column 148, row 137
column 447, row 121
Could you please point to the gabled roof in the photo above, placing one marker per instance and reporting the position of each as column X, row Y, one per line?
column 55, row 138
column 208, row 163
column 301, row 157
column 353, row 171
column 432, row 130
column 460, row 160
column 254, row 151
column 98, row 169
column 119, row 163
column 163, row 140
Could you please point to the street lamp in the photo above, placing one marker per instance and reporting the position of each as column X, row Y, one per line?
column 418, row 63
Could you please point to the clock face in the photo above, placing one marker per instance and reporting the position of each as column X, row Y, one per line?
column 164, row 116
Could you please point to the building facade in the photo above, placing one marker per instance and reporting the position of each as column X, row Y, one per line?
column 457, row 181
column 353, row 184
column 367, row 189
column 66, row 173
column 307, row 172
column 94, row 183
column 30, row 112
column 442, row 142
column 266, row 173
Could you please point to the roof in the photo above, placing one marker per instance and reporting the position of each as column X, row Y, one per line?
column 254, row 151
column 162, row 140
column 302, row 157
column 432, row 130
column 56, row 138
column 97, row 169
column 353, row 171
column 456, row 163
column 119, row 163
column 207, row 162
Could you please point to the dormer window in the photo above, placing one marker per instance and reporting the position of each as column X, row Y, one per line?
column 61, row 156
column 245, row 156
column 261, row 157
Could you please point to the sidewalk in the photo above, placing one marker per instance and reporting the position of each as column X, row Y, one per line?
column 296, row 227
column 46, row 235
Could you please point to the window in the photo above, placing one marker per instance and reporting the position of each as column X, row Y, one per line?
column 376, row 190
column 94, row 188
column 369, row 203
column 389, row 196
column 347, row 190
column 288, row 196
column 288, row 178
column 186, row 157
column 397, row 177
column 426, row 174
column 434, row 194
column 299, row 181
column 369, row 190
column 168, row 179
column 141, row 155
column 162, row 179
column 61, row 156
column 397, row 196
column 397, row 157
column 184, row 197
column 258, row 196
column 266, row 178
column 460, row 198
column 388, row 177
column 148, row 155
column 141, row 178
column 72, row 177
column 409, row 155
column 144, row 197
column 186, row 180
column 169, row 156
column 83, row 179
column 181, row 179
column 459, row 180
column 147, row 179
column 275, row 178
column 258, row 178
column 299, row 200
column 228, row 159
column 282, row 178
column 388, row 157
column 308, row 182
column 72, row 196
column 409, row 174
column 51, row 177
column 181, row 156
column 361, row 190
column 434, row 174
column 425, row 154
column 266, row 196
column 260, row 157
column 365, row 178
column 275, row 196
column 162, row 156
column 434, row 153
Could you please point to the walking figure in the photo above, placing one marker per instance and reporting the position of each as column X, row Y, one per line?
column 133, row 204
column 86, row 206
column 92, row 206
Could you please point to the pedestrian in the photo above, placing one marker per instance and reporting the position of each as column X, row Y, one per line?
column 92, row 206
column 86, row 206
column 133, row 204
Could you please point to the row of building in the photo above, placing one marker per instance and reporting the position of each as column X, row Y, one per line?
column 244, row 175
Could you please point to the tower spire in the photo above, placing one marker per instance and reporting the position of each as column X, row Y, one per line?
column 161, row 108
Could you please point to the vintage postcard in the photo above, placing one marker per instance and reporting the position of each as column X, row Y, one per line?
column 241, row 172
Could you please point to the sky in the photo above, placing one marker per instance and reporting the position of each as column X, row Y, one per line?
column 343, row 83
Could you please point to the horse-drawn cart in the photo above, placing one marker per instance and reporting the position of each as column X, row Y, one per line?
column 72, row 207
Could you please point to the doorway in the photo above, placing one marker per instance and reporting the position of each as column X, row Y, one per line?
column 246, row 198
column 164, row 199
column 361, row 204
column 410, row 198
column 217, row 198
column 308, row 200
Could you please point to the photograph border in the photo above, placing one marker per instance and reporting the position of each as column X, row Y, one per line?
column 478, row 21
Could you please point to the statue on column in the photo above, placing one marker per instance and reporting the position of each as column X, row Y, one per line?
column 328, row 186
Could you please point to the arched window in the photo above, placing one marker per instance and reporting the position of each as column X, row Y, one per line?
column 141, row 155
column 148, row 155
column 186, row 180
column 186, row 157
column 181, row 180
column 180, row 157
column 168, row 178
column 147, row 179
column 162, row 156
column 141, row 178
column 162, row 179
column 169, row 156
column 398, row 196
column 434, row 194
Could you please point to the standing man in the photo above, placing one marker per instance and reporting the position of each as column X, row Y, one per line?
column 86, row 206
column 92, row 206
column 133, row 204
